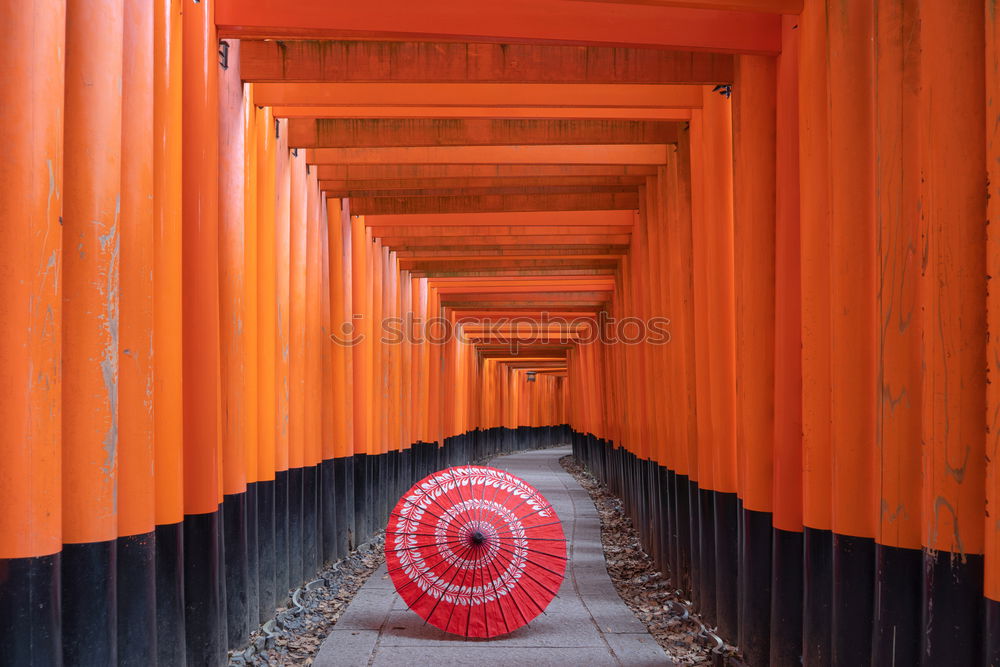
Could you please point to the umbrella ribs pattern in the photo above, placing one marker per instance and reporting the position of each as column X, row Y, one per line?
column 475, row 551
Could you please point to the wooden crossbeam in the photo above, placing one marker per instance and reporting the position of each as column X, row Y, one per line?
column 338, row 61
column 478, row 94
column 325, row 133
column 493, row 112
column 501, row 190
column 520, row 21
column 615, row 154
column 493, row 203
column 345, row 188
column 363, row 172
column 401, row 231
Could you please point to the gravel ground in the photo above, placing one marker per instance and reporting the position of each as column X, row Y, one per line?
column 668, row 616
column 294, row 635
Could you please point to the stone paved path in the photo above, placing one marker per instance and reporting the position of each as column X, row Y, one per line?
column 587, row 624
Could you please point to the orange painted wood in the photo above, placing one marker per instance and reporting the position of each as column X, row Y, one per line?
column 531, row 21
column 348, row 324
column 90, row 271
column 953, row 207
column 717, row 209
column 250, row 260
column 991, row 587
column 361, row 305
column 613, row 154
column 703, row 469
column 168, row 437
column 330, row 430
column 360, row 133
column 314, row 408
column 136, row 480
column 344, row 61
column 544, row 112
column 788, row 290
column 297, row 341
column 282, row 340
column 345, row 188
column 202, row 471
column 550, row 218
column 267, row 312
column 507, row 241
column 612, row 201
column 814, row 210
column 341, row 399
column 485, row 192
column 897, row 146
column 682, row 248
column 768, row 6
column 853, row 263
column 754, row 195
column 233, row 319
column 31, row 264
column 412, row 171
column 669, row 96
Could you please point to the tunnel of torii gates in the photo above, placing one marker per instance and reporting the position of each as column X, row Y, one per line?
column 211, row 208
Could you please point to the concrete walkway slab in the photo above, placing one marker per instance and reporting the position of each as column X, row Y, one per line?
column 587, row 624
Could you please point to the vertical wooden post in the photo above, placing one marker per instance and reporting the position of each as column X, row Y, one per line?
column 754, row 194
column 136, row 490
column 31, row 306
column 233, row 324
column 853, row 262
column 266, row 351
column 90, row 427
column 787, row 548
column 991, row 587
column 202, row 579
column 251, row 433
column 814, row 208
column 282, row 229
column 953, row 208
column 717, row 205
column 168, row 409
column 899, row 569
column 313, row 447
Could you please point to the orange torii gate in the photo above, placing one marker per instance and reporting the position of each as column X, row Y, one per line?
column 266, row 263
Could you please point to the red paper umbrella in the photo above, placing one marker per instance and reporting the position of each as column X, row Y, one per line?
column 475, row 551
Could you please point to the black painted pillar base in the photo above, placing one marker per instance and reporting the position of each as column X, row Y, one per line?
column 328, row 510
column 234, row 531
column 706, row 551
column 89, row 591
column 343, row 484
column 786, row 598
column 296, row 571
column 853, row 599
column 266, row 585
column 952, row 610
column 137, row 600
column 898, row 587
column 169, row 572
column 202, row 590
column 281, row 553
column 682, row 513
column 30, row 610
column 992, row 631
column 755, row 586
column 726, row 562
column 253, row 564
column 361, row 507
column 817, row 596
column 310, row 524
